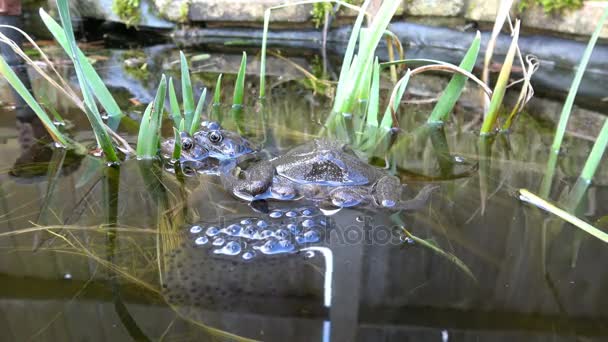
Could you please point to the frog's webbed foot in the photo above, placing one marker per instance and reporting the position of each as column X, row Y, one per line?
column 421, row 199
column 387, row 191
column 346, row 196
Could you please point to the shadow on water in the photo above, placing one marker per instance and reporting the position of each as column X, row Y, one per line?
column 138, row 252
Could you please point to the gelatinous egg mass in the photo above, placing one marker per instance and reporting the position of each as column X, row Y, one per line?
column 278, row 232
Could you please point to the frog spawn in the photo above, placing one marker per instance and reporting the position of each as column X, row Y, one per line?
column 280, row 232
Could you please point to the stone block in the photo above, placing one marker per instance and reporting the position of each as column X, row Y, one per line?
column 439, row 8
column 581, row 21
column 244, row 10
column 482, row 10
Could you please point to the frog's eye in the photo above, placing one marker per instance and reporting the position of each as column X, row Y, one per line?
column 212, row 125
column 215, row 137
column 187, row 144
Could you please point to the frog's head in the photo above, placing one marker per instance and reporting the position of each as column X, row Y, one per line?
column 190, row 151
column 222, row 144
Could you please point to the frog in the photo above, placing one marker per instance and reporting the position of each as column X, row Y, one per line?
column 324, row 171
column 212, row 141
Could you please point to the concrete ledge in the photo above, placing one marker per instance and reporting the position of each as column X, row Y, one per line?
column 579, row 22
column 247, row 10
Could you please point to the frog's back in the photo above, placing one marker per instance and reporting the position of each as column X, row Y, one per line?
column 323, row 162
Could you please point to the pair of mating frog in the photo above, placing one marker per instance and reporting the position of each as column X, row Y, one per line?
column 320, row 170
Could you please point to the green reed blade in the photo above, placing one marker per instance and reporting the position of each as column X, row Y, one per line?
column 145, row 146
column 452, row 92
column 103, row 138
column 217, row 100
column 374, row 97
column 149, row 129
column 387, row 119
column 267, row 12
column 433, row 246
column 526, row 196
column 198, row 113
column 501, row 85
column 217, row 93
column 347, row 61
column 567, row 109
column 376, row 31
column 187, row 94
column 595, row 157
column 174, row 105
column 99, row 89
column 239, row 85
column 263, row 56
column 21, row 89
column 365, row 88
column 177, row 148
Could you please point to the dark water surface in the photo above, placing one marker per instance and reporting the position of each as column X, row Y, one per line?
column 90, row 253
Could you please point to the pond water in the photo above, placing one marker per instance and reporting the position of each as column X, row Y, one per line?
column 138, row 252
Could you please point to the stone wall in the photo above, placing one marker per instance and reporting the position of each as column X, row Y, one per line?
column 580, row 22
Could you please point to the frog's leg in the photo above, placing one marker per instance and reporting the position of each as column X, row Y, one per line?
column 386, row 192
column 346, row 196
column 421, row 199
column 283, row 189
column 256, row 180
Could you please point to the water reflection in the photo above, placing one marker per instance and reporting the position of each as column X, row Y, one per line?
column 144, row 237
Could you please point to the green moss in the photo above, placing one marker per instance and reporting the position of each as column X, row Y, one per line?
column 551, row 5
column 128, row 11
column 319, row 9
column 318, row 12
column 184, row 8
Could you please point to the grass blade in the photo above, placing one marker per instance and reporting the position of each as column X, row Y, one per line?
column 21, row 89
column 526, row 196
column 390, row 118
column 350, row 47
column 177, row 147
column 100, row 90
column 187, row 94
column 217, row 93
column 567, row 108
column 239, row 85
column 374, row 98
column 149, row 129
column 345, row 103
column 432, row 245
column 501, row 85
column 452, row 92
column 501, row 17
column 175, row 112
column 196, row 121
column 103, row 139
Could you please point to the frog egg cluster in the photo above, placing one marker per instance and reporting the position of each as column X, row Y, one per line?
column 278, row 232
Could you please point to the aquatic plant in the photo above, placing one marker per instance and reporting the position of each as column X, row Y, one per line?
column 560, row 132
column 128, row 11
column 149, row 129
column 551, row 5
